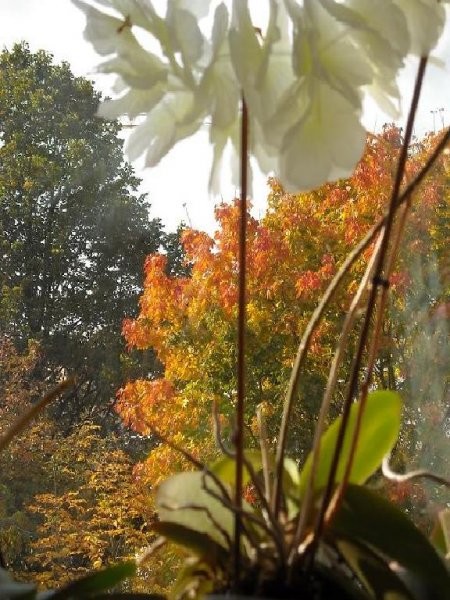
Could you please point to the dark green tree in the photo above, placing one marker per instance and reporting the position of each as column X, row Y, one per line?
column 73, row 229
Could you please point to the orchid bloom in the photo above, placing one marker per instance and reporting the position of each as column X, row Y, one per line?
column 303, row 79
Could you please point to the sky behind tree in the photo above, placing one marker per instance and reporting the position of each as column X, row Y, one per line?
column 178, row 186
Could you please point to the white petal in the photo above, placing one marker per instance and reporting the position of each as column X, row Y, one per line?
column 379, row 31
column 199, row 8
column 138, row 68
column 138, row 12
column 323, row 50
column 384, row 20
column 246, row 52
column 163, row 127
column 185, row 34
column 275, row 74
column 326, row 143
column 132, row 103
column 219, row 89
column 265, row 154
column 425, row 19
column 290, row 109
column 218, row 139
column 219, row 29
column 101, row 30
column 384, row 90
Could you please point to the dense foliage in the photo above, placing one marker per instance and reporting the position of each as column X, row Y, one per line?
column 73, row 235
column 73, row 229
column 292, row 251
column 67, row 504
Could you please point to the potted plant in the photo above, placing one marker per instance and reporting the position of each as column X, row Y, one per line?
column 291, row 97
column 368, row 549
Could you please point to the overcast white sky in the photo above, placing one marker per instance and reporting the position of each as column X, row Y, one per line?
column 177, row 187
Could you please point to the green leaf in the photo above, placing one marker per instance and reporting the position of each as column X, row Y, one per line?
column 373, row 572
column 291, row 482
column 444, row 520
column 380, row 427
column 437, row 537
column 96, row 582
column 193, row 500
column 367, row 518
column 195, row 579
column 291, row 474
column 200, row 543
column 225, row 467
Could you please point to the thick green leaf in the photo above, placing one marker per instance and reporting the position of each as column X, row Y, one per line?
column 373, row 572
column 379, row 431
column 337, row 585
column 444, row 520
column 17, row 591
column 291, row 482
column 188, row 499
column 195, row 575
column 369, row 519
column 291, row 474
column 437, row 538
column 200, row 543
column 99, row 581
column 225, row 467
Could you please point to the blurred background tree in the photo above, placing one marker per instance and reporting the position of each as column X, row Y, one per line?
column 74, row 231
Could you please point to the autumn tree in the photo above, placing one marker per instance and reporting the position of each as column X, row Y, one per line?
column 293, row 251
column 26, row 455
column 95, row 514
column 67, row 504
column 73, row 228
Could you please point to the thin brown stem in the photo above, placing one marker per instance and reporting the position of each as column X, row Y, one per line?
column 240, row 407
column 262, row 431
column 350, row 318
column 377, row 282
column 259, row 488
column 374, row 346
column 351, row 258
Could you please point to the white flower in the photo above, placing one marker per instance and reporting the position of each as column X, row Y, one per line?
column 425, row 20
column 383, row 41
column 303, row 79
column 313, row 150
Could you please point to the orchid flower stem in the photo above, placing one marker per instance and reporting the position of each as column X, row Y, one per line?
column 347, row 327
column 374, row 345
column 319, row 311
column 242, row 258
column 337, row 499
column 377, row 280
